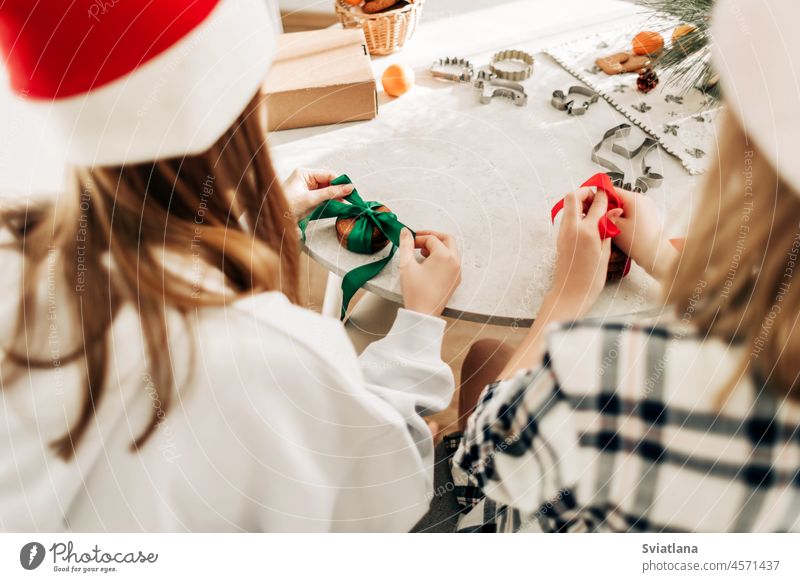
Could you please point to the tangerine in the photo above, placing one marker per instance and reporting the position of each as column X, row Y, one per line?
column 648, row 43
column 397, row 80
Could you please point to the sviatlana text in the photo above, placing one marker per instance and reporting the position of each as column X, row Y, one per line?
column 668, row 549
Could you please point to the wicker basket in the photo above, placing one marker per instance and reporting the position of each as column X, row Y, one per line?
column 385, row 32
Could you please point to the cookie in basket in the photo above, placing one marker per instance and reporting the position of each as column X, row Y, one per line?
column 375, row 6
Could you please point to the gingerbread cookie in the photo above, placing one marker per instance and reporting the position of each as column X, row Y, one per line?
column 636, row 63
column 378, row 5
column 612, row 64
column 344, row 226
column 622, row 63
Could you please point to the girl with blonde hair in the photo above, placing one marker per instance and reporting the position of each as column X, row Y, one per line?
column 690, row 425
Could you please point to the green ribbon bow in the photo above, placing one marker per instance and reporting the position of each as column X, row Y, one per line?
column 360, row 238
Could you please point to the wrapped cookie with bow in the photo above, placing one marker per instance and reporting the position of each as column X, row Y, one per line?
column 363, row 227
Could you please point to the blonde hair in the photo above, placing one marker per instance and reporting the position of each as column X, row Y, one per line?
column 736, row 273
column 106, row 239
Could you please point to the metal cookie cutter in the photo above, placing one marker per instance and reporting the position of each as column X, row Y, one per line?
column 453, row 69
column 516, row 56
column 483, row 77
column 491, row 87
column 564, row 103
column 648, row 179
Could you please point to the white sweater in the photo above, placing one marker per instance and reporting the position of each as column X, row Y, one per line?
column 277, row 426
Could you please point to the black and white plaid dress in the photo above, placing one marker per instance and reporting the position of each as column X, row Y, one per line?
column 622, row 428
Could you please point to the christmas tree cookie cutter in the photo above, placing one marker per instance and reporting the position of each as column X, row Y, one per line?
column 521, row 60
column 453, row 69
column 491, row 87
column 564, row 102
column 647, row 179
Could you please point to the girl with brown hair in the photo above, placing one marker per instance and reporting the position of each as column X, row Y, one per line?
column 158, row 372
column 687, row 425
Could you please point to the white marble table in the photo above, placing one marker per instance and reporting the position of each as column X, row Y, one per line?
column 486, row 173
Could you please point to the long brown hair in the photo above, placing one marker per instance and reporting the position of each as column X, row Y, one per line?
column 107, row 237
column 734, row 279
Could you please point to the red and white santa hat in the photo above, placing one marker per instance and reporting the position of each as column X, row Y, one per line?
column 125, row 81
column 756, row 51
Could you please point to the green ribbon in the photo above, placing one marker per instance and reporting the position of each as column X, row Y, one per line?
column 360, row 238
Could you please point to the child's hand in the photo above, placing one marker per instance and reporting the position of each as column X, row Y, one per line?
column 305, row 189
column 641, row 234
column 581, row 257
column 429, row 285
column 578, row 277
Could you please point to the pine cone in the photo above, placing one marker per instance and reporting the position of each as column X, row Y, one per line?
column 647, row 80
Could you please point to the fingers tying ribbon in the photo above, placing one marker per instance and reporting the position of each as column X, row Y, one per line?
column 360, row 239
column 602, row 182
column 606, row 228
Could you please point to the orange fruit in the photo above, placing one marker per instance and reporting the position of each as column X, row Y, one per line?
column 397, row 79
column 681, row 30
column 353, row 2
column 648, row 43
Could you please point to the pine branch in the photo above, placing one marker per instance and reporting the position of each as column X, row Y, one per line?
column 689, row 60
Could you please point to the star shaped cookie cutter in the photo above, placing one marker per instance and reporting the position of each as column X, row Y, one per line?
column 563, row 102
column 453, row 69
column 648, row 178
column 491, row 87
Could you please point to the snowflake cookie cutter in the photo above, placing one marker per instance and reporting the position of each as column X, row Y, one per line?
column 564, row 102
column 647, row 179
column 453, row 69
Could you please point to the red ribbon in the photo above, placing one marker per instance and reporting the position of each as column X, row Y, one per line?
column 607, row 228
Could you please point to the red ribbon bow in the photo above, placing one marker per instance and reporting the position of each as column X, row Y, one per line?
column 607, row 228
